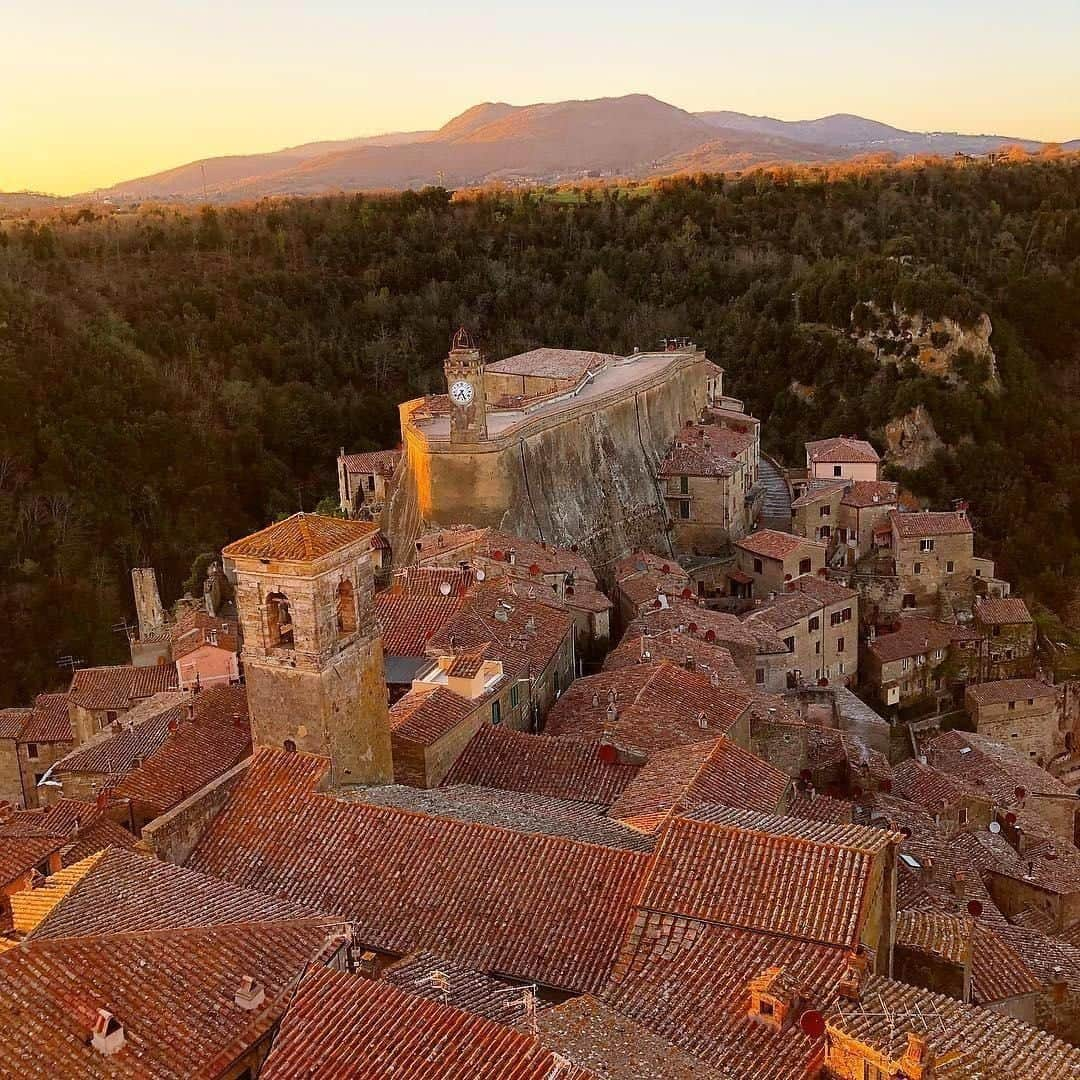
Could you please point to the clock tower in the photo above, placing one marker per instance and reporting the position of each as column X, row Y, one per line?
column 465, row 384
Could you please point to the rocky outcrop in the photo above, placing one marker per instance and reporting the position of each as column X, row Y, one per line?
column 911, row 440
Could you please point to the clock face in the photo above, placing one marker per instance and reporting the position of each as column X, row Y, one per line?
column 461, row 393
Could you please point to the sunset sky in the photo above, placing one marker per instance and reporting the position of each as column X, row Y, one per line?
column 91, row 94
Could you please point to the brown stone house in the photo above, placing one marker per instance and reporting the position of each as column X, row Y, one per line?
column 921, row 660
column 365, row 481
column 842, row 458
column 46, row 737
column 708, row 482
column 933, row 553
column 818, row 622
column 843, row 514
column 953, row 804
column 645, row 582
column 1020, row 713
column 448, row 703
column 100, row 695
column 1009, row 635
column 771, row 559
column 12, row 722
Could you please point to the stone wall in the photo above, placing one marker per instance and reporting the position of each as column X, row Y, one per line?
column 11, row 788
column 1030, row 729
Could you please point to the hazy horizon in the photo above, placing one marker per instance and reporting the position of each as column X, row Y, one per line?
column 92, row 101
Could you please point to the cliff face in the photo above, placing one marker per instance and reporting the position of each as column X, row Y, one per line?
column 911, row 440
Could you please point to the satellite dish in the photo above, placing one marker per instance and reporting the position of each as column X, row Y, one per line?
column 995, row 827
column 1010, row 817
column 480, row 575
column 975, row 908
column 812, row 1023
column 444, row 588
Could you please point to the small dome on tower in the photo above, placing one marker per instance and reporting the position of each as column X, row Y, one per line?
column 463, row 339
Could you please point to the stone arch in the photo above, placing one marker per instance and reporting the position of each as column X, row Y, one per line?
column 279, row 623
column 346, row 608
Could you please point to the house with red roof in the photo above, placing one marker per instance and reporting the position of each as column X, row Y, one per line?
column 365, row 481
column 933, row 552
column 1009, row 633
column 770, row 559
column 842, row 458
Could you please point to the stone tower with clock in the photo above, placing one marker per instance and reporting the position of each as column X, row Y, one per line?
column 465, row 385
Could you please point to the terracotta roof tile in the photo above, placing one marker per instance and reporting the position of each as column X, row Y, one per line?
column 409, row 621
column 532, row 907
column 1004, row 690
column 545, row 363
column 339, row 1024
column 705, row 450
column 1005, row 610
column 173, row 992
column 819, row 490
column 775, row 545
column 382, row 462
column 676, row 646
column 814, row 807
column 12, row 722
column 118, row 687
column 927, row 786
column 497, row 757
column 49, row 720
column 301, row 538
column 29, row 837
column 915, row 636
column 424, row 715
column 915, row 526
column 863, row 493
column 30, row 906
column 197, row 627
column 648, row 707
column 842, row 449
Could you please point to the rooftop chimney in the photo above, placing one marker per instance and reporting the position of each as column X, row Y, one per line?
column 108, row 1034
column 249, row 994
column 689, row 663
column 959, row 885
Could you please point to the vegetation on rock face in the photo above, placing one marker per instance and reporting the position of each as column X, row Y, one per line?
column 171, row 379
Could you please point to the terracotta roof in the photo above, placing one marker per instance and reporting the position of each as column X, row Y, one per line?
column 687, row 981
column 1005, row 610
column 927, row 786
column 678, row 647
column 427, row 975
column 863, row 493
column 686, row 777
column 705, row 450
column 818, row 491
column 29, row 837
column 655, row 706
column 339, row 1024
column 497, row 757
column 197, row 627
column 198, row 751
column 776, row 881
column 1004, row 690
column 615, row 1047
column 383, row 462
column 929, row 523
column 174, row 993
column 842, row 449
column 494, row 547
column 1053, row 867
column 916, row 636
column 537, row 908
column 49, row 721
column 409, row 621
column 998, row 972
column 417, row 580
column 582, row 821
column 813, row 807
column 547, row 363
column 713, row 627
column 127, row 892
column 118, row 687
column 301, row 538
column 99, row 834
column 821, row 589
column 30, row 906
column 12, row 722
column 784, row 611
column 775, row 545
column 642, row 577
column 424, row 715
column 949, row 1025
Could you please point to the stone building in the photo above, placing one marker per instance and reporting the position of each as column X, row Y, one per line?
column 365, row 482
column 553, row 444
column 921, row 661
column 644, row 581
column 842, row 458
column 843, row 514
column 205, row 648
column 1009, row 634
column 933, row 554
column 1021, row 713
column 313, row 658
column 98, row 696
column 46, row 737
column 12, row 722
column 771, row 559
column 818, row 621
column 710, row 484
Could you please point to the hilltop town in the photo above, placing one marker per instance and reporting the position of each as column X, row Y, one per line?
column 583, row 740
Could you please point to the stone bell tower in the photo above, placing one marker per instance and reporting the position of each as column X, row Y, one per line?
column 313, row 658
column 464, row 368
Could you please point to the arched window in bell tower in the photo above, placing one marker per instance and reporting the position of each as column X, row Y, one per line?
column 279, row 621
column 346, row 608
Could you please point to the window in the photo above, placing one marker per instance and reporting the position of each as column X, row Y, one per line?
column 684, row 510
column 836, row 618
column 371, row 482
column 32, row 751
column 962, row 815
column 110, row 716
column 766, row 1008
column 839, row 644
column 514, row 696
column 789, row 644
column 950, row 566
column 758, row 568
column 905, row 663
column 684, row 485
column 824, row 532
column 825, row 511
column 817, row 647
column 840, row 668
column 804, row 566
column 290, row 746
column 759, row 676
column 211, row 636
column 278, row 621
column 346, row 608
column 1031, row 701
column 926, row 545
column 1012, row 706
column 838, row 470
column 918, row 568
column 814, row 623
column 909, row 600
column 496, row 712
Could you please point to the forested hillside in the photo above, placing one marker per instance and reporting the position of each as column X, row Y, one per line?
column 171, row 379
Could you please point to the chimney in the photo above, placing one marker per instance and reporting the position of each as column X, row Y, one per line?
column 851, row 982
column 689, row 663
column 108, row 1034
column 1059, row 986
column 928, row 872
column 249, row 994
column 959, row 885
column 366, row 966
column 191, row 710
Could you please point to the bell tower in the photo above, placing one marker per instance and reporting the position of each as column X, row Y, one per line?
column 313, row 658
column 464, row 368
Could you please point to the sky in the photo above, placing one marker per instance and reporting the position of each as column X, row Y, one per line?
column 92, row 94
